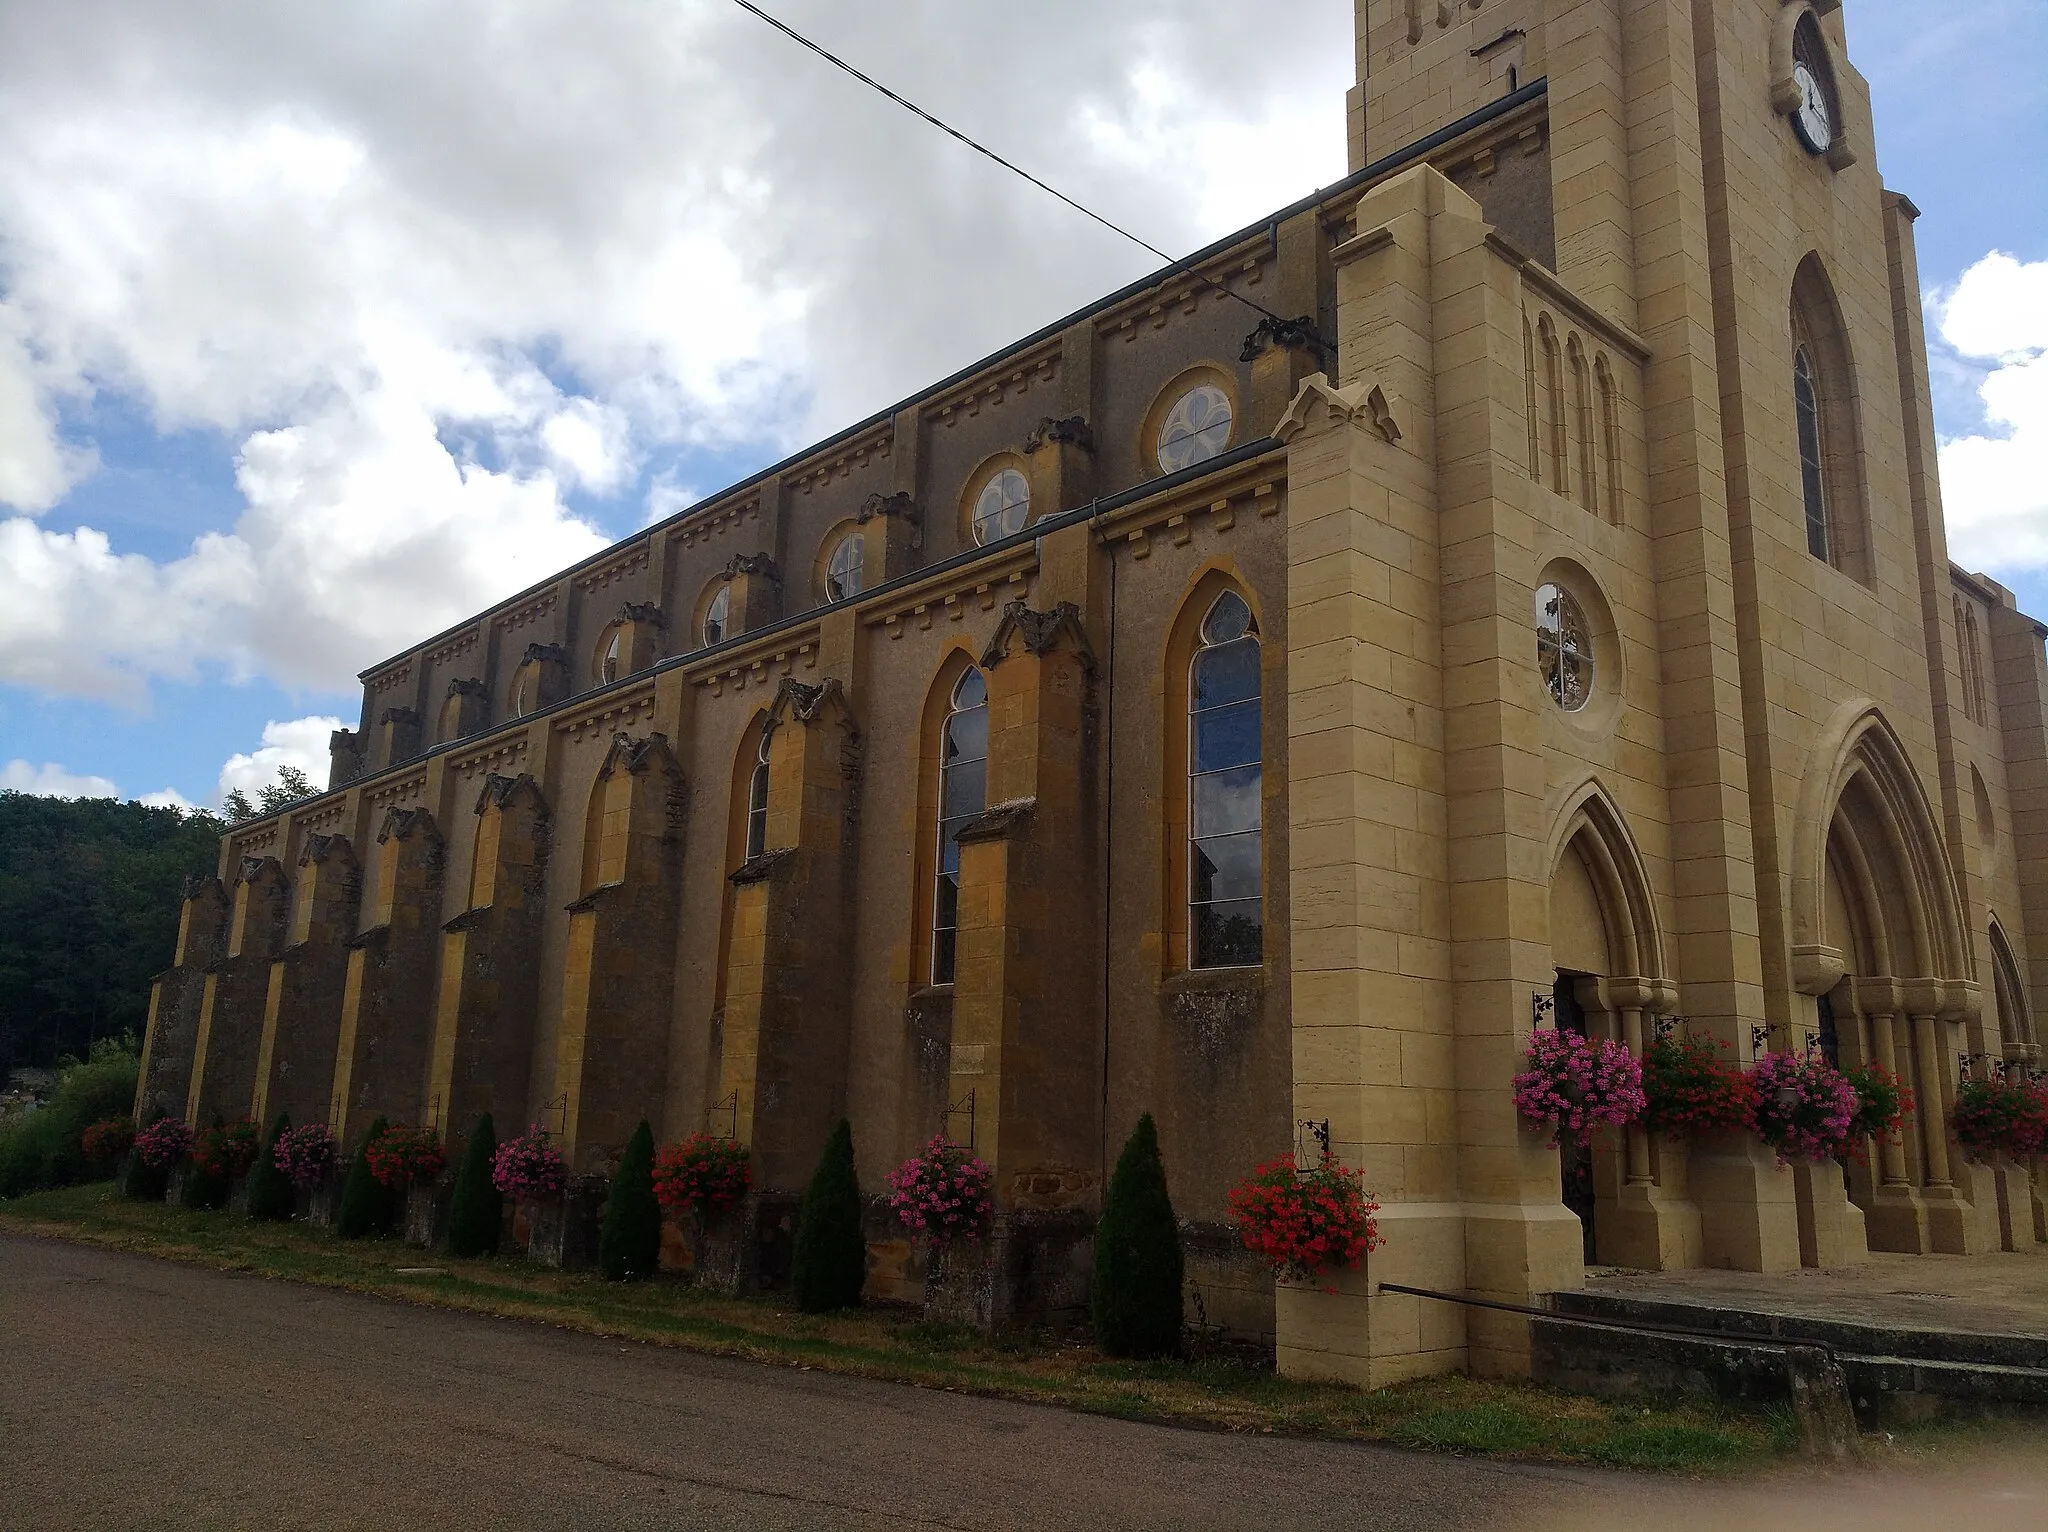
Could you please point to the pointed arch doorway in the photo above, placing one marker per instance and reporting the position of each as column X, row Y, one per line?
column 1608, row 953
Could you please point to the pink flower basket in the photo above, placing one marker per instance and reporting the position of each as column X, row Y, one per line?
column 942, row 1193
column 528, row 1167
column 1574, row 1086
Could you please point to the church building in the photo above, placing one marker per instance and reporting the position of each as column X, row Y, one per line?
column 1507, row 589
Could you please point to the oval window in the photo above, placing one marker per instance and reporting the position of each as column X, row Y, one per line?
column 842, row 576
column 1000, row 508
column 1195, row 429
column 715, row 616
column 1564, row 647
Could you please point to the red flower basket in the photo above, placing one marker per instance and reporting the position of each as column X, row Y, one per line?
column 1306, row 1225
column 1689, row 1089
column 706, row 1172
column 164, row 1143
column 107, row 1140
column 401, row 1155
column 227, row 1150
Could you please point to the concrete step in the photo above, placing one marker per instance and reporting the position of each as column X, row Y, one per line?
column 1890, row 1373
column 1866, row 1337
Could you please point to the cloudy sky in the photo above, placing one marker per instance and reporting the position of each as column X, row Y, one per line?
column 318, row 334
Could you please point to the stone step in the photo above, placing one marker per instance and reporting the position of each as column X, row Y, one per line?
column 1890, row 1374
column 1863, row 1337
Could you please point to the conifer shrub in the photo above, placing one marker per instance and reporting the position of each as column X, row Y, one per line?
column 1136, row 1288
column 477, row 1212
column 629, row 1246
column 831, row 1258
column 366, row 1203
column 271, row 1194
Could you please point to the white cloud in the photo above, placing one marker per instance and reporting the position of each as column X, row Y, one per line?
column 435, row 268
column 1994, row 483
column 167, row 798
column 50, row 780
column 300, row 742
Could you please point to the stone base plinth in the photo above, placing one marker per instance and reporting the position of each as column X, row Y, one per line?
column 1029, row 1268
column 562, row 1230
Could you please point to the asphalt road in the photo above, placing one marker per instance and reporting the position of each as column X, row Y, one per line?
column 139, row 1393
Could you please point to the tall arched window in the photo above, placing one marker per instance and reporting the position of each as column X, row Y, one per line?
column 757, row 800
column 609, row 668
column 1812, row 462
column 1226, row 924
column 963, row 793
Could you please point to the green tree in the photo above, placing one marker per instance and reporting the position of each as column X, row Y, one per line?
column 89, row 892
column 1137, row 1279
column 290, row 787
column 366, row 1202
column 271, row 1197
column 476, row 1212
column 831, row 1259
column 629, row 1245
column 237, row 808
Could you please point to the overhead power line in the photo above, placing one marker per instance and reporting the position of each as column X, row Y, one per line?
column 982, row 149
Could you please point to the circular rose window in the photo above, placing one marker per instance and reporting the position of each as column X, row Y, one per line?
column 1195, row 429
column 1564, row 647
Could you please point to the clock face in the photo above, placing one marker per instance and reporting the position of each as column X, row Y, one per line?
column 1814, row 120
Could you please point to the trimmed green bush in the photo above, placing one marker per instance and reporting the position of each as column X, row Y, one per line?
column 477, row 1211
column 629, row 1245
column 831, row 1260
column 1137, row 1280
column 365, row 1201
column 271, row 1197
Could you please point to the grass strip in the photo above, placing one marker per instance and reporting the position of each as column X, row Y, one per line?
column 1444, row 1414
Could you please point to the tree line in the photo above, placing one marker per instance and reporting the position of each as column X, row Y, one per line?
column 89, row 902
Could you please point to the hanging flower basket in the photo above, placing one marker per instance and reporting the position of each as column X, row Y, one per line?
column 1690, row 1089
column 304, row 1155
column 227, row 1149
column 164, row 1143
column 1801, row 1106
column 107, row 1140
column 1574, row 1086
column 1883, row 1103
column 404, row 1156
column 2000, row 1116
column 707, row 1173
column 942, row 1192
column 529, row 1167
column 1306, row 1225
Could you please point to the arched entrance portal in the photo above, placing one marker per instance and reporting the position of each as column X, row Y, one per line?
column 1612, row 982
column 1879, row 948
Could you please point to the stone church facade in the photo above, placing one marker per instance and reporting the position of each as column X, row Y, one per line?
column 1509, row 583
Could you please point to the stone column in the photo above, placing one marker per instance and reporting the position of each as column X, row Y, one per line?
column 231, row 1006
column 1948, row 1212
column 170, row 1045
column 783, row 1061
column 1894, row 1215
column 611, row 1061
column 1026, row 1046
column 1645, row 1218
column 1059, row 456
column 756, row 593
column 388, row 996
column 489, row 978
column 302, row 1010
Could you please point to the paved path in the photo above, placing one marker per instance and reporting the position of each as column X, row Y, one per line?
column 139, row 1393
